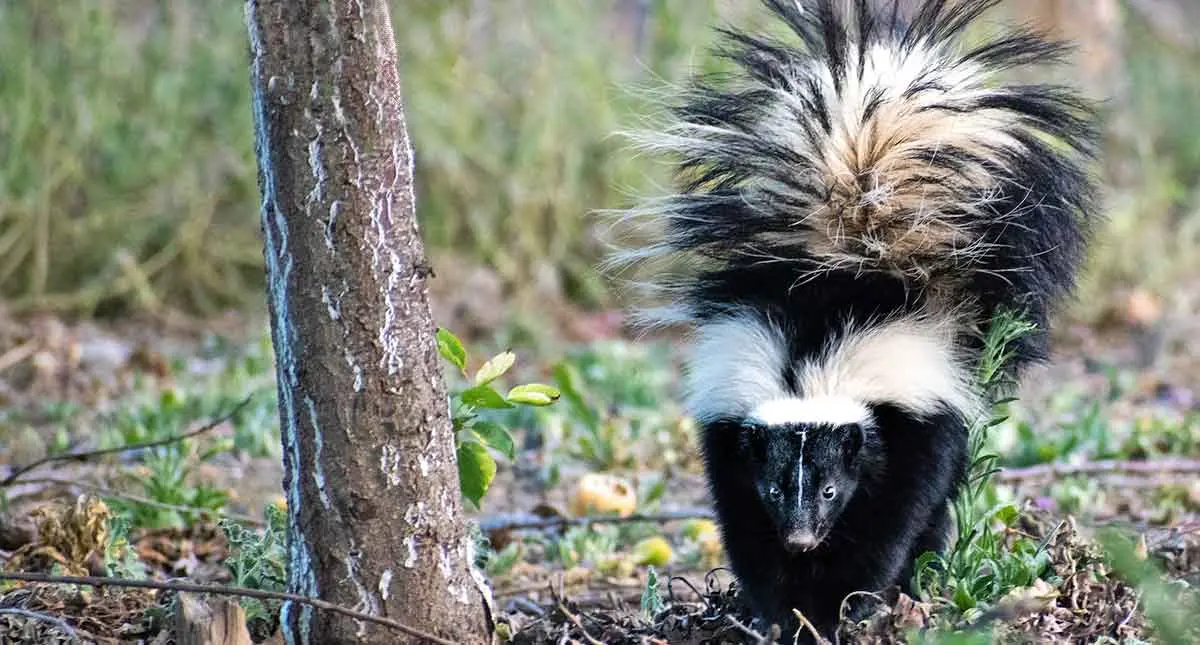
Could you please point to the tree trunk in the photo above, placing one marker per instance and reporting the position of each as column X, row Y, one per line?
column 1095, row 29
column 374, row 511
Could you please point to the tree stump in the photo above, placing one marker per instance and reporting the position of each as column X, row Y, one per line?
column 220, row 621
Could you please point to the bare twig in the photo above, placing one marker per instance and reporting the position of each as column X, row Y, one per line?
column 89, row 454
column 99, row 581
column 582, row 586
column 144, row 501
column 16, row 355
column 57, row 622
column 1151, row 467
column 805, row 624
column 758, row 638
column 845, row 604
column 578, row 623
column 526, row 522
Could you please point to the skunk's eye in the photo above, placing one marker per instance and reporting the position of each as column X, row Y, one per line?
column 774, row 493
column 829, row 492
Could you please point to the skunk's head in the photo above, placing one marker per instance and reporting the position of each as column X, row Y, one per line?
column 806, row 473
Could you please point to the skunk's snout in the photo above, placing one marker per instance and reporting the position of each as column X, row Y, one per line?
column 801, row 540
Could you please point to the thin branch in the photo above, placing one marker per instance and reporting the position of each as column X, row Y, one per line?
column 758, row 638
column 578, row 623
column 16, row 355
column 89, row 454
column 144, row 501
column 593, row 586
column 57, row 622
column 525, row 522
column 100, row 581
column 1151, row 467
column 805, row 624
column 577, row 588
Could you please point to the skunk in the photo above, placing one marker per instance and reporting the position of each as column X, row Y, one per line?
column 855, row 204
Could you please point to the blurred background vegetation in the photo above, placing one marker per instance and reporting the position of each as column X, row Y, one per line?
column 127, row 176
column 128, row 186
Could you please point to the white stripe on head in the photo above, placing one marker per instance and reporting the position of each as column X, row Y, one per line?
column 830, row 410
column 800, row 472
column 736, row 362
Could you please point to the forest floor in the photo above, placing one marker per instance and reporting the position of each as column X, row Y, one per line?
column 1107, row 436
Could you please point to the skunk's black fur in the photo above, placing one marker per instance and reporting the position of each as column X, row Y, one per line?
column 894, row 515
column 853, row 210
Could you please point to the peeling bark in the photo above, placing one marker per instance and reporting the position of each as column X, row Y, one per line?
column 374, row 511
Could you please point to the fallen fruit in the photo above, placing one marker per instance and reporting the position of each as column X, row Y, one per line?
column 693, row 529
column 601, row 494
column 654, row 551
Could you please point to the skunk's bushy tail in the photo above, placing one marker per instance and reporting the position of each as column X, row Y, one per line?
column 880, row 142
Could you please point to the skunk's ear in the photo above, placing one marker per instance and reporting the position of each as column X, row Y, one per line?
column 752, row 437
column 753, row 425
column 852, row 444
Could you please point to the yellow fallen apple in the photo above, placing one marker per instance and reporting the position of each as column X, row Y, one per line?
column 654, row 551
column 694, row 529
column 595, row 493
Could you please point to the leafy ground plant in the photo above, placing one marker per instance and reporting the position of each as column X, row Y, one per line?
column 982, row 566
column 617, row 411
column 474, row 436
column 165, row 472
column 258, row 560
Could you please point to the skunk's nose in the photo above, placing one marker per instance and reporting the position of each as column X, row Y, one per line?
column 800, row 540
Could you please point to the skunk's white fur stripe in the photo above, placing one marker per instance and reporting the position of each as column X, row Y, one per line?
column 910, row 362
column 737, row 363
column 833, row 410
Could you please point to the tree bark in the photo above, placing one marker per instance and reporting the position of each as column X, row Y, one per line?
column 374, row 511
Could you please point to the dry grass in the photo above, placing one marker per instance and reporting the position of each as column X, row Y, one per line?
column 127, row 176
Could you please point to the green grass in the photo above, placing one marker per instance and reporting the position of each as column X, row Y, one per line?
column 982, row 565
column 127, row 177
column 125, row 173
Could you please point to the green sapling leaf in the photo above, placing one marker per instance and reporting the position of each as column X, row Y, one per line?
column 483, row 396
column 495, row 368
column 533, row 394
column 496, row 436
column 476, row 470
column 451, row 348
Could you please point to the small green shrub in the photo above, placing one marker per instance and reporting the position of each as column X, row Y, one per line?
column 165, row 473
column 473, row 435
column 120, row 558
column 982, row 565
column 617, row 409
column 258, row 560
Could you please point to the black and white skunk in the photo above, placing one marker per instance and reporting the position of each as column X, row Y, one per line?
column 853, row 209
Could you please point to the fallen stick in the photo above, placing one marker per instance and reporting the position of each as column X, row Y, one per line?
column 16, row 355
column 89, row 454
column 1175, row 465
column 519, row 522
column 100, row 581
column 144, row 501
column 62, row 625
